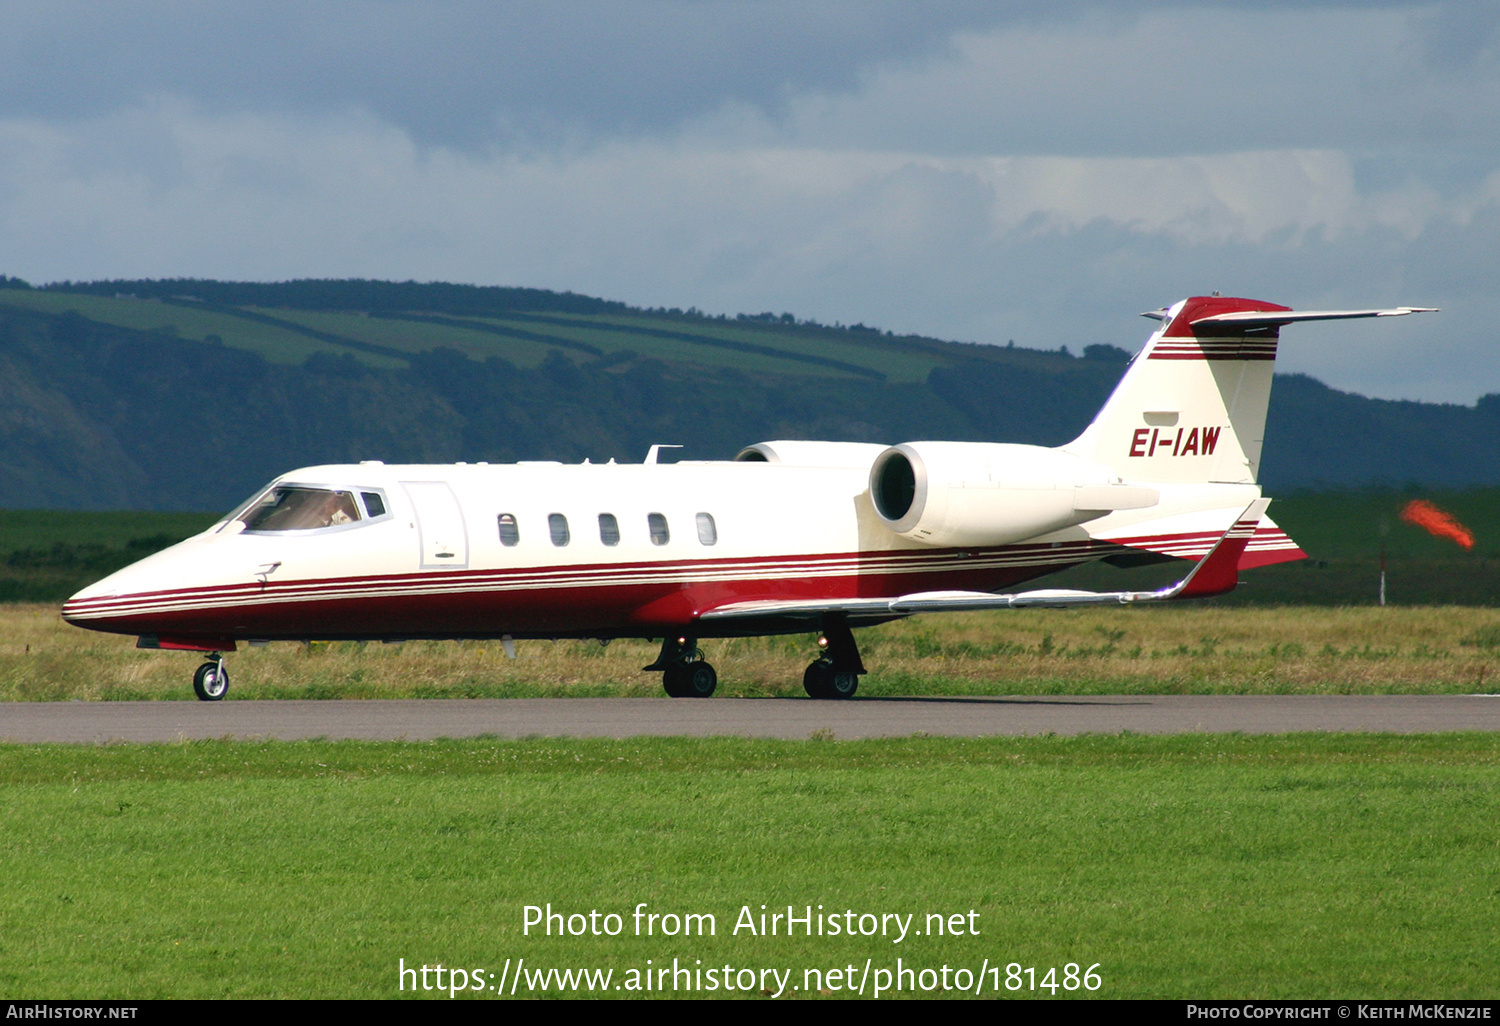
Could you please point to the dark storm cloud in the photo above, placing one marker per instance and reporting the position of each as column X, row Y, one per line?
column 467, row 73
column 458, row 73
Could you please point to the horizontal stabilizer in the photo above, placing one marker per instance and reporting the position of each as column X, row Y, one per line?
column 1191, row 535
column 1276, row 318
column 1214, row 574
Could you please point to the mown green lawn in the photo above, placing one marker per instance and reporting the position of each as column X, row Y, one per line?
column 1193, row 866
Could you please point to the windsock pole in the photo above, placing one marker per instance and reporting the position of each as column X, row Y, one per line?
column 1382, row 571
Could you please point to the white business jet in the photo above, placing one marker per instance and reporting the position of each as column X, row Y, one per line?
column 790, row 536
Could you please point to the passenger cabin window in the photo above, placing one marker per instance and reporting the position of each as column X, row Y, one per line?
column 708, row 534
column 609, row 529
column 658, row 525
column 374, row 504
column 510, row 532
column 558, row 525
column 293, row 508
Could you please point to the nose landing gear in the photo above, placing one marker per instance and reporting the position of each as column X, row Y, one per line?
column 212, row 679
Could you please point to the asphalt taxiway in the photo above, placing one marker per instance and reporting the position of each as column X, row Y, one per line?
column 423, row 719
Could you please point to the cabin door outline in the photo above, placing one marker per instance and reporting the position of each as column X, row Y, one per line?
column 443, row 537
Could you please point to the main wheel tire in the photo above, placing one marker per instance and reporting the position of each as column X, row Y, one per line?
column 701, row 679
column 843, row 684
column 815, row 680
column 211, row 682
column 690, row 680
column 821, row 680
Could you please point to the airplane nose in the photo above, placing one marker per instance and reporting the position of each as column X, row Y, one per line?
column 93, row 605
column 171, row 599
column 115, row 603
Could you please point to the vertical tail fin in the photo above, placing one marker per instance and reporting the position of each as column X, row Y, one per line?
column 1192, row 406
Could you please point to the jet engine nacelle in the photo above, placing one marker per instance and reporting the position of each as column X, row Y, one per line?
column 975, row 493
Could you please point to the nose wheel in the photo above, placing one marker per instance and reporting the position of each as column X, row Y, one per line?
column 212, row 680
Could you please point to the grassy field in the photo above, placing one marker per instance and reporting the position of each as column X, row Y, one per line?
column 1442, row 650
column 752, row 345
column 1197, row 866
column 47, row 555
column 278, row 345
column 44, row 529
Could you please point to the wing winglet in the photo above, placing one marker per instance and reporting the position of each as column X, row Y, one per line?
column 1218, row 571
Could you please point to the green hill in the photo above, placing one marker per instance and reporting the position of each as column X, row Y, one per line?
column 290, row 322
column 187, row 394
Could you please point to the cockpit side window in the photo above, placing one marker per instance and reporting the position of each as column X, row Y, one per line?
column 234, row 515
column 296, row 508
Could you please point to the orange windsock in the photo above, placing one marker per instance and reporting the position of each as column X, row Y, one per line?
column 1437, row 522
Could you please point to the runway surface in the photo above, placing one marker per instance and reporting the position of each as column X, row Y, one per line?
column 419, row 719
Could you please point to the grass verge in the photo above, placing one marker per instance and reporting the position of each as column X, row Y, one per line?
column 1198, row 650
column 1203, row 866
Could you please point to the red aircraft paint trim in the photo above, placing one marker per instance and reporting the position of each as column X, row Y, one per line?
column 1270, row 543
column 1200, row 307
column 1219, row 570
column 742, row 572
column 1215, row 349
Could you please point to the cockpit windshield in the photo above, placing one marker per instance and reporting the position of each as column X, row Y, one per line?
column 297, row 508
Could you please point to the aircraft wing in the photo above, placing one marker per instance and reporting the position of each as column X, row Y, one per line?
column 1214, row 574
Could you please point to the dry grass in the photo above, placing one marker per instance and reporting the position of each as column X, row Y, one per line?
column 1163, row 650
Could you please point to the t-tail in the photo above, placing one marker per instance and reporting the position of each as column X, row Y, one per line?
column 1191, row 408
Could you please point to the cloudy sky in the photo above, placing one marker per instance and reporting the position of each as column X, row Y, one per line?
column 984, row 171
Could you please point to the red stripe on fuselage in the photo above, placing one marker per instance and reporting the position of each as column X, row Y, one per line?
column 588, row 600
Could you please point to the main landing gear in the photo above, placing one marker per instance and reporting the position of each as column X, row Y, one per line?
column 834, row 674
column 685, row 673
column 212, row 679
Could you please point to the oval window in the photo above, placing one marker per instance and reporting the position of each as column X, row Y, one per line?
column 708, row 533
column 658, row 525
column 558, row 525
column 510, row 531
column 609, row 529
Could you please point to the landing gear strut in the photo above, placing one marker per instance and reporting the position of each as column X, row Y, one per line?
column 685, row 673
column 212, row 680
column 836, row 673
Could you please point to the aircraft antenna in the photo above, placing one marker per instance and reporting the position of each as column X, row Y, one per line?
column 652, row 453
